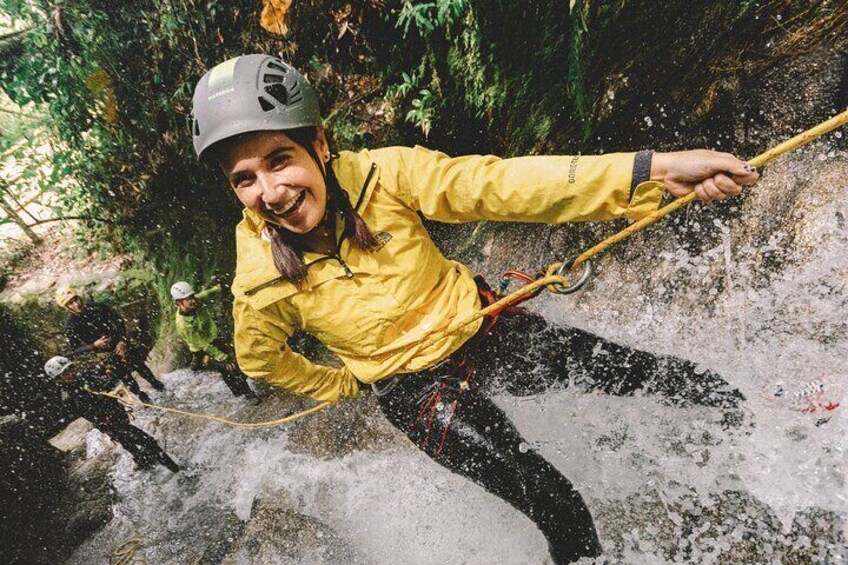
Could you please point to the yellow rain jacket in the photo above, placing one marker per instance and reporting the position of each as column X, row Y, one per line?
column 374, row 309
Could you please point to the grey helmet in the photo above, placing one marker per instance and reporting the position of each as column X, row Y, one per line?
column 55, row 366
column 250, row 93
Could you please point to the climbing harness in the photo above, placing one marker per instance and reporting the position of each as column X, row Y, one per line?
column 453, row 374
column 560, row 278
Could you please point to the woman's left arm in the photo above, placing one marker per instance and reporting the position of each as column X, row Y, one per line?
column 553, row 189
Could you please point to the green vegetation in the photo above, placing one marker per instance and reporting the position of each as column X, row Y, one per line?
column 107, row 85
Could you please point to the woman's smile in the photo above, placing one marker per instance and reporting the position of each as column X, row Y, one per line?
column 278, row 179
column 290, row 208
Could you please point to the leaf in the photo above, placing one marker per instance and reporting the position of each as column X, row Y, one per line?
column 274, row 15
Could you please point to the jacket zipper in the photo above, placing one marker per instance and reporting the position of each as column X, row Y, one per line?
column 337, row 256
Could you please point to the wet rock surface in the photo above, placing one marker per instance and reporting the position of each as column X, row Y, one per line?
column 730, row 527
column 52, row 499
column 280, row 534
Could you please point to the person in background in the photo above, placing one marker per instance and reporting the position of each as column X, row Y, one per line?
column 105, row 414
column 196, row 326
column 98, row 328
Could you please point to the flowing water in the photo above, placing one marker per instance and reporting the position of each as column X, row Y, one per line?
column 763, row 302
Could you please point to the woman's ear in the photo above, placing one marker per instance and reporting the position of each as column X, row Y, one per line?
column 322, row 146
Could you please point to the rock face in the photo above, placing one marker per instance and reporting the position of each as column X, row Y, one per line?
column 52, row 500
column 731, row 527
column 277, row 534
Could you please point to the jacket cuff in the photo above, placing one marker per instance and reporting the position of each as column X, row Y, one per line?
column 645, row 194
column 641, row 170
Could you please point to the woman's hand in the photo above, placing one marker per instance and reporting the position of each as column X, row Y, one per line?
column 711, row 174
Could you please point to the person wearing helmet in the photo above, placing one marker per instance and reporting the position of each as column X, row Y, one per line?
column 196, row 326
column 93, row 327
column 333, row 244
column 105, row 414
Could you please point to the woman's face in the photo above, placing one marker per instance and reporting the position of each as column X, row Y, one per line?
column 277, row 179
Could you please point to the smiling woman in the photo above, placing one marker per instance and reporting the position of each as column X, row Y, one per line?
column 336, row 247
column 278, row 179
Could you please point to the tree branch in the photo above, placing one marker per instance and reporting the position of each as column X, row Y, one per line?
column 84, row 218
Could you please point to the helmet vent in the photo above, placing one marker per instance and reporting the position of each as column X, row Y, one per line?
column 278, row 67
column 266, row 106
column 272, row 78
column 295, row 94
column 280, row 93
column 196, row 128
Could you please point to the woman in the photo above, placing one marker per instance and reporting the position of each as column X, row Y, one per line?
column 334, row 245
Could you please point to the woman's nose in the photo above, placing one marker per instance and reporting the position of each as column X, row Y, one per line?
column 273, row 191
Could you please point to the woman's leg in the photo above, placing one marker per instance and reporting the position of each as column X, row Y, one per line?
column 526, row 354
column 468, row 434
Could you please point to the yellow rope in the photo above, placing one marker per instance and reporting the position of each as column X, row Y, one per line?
column 758, row 161
column 122, row 394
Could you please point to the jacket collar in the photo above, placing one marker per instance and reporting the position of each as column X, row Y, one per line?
column 255, row 270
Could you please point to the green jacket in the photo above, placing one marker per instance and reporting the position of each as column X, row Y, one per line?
column 199, row 330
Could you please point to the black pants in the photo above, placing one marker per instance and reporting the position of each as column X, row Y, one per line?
column 230, row 373
column 135, row 362
column 463, row 430
column 144, row 449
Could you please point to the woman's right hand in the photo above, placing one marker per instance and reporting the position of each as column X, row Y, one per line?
column 712, row 175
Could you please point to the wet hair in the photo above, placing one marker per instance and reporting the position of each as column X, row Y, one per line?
column 285, row 245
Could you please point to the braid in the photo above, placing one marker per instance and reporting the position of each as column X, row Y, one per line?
column 288, row 257
column 355, row 227
column 287, row 254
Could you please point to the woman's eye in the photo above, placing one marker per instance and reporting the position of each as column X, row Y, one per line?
column 242, row 183
column 279, row 161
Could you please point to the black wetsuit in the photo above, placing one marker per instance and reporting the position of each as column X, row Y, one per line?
column 229, row 370
column 97, row 320
column 463, row 430
column 108, row 416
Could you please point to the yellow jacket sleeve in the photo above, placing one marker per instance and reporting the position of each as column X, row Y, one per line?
column 263, row 353
column 549, row 189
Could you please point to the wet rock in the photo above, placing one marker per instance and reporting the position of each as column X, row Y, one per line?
column 817, row 536
column 52, row 500
column 277, row 534
column 731, row 527
column 347, row 427
column 230, row 530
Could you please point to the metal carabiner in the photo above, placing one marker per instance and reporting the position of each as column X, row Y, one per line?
column 585, row 275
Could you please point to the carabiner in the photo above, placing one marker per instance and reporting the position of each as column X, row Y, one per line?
column 585, row 274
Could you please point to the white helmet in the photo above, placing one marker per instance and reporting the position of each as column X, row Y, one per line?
column 56, row 366
column 181, row 290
